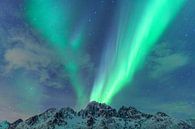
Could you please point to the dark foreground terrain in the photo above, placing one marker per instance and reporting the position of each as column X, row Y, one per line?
column 98, row 116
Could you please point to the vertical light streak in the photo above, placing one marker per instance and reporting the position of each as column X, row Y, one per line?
column 53, row 20
column 133, row 45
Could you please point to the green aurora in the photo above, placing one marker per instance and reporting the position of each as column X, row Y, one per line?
column 133, row 44
column 133, row 41
column 55, row 22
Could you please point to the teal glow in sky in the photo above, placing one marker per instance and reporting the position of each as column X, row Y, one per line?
column 59, row 53
column 133, row 44
column 54, row 22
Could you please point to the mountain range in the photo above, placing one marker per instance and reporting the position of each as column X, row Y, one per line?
column 99, row 116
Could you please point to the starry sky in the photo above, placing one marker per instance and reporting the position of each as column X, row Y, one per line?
column 67, row 53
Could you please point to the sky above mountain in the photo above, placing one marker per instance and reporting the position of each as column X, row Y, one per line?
column 66, row 53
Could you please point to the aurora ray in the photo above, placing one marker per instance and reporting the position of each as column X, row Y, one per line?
column 131, row 45
column 55, row 21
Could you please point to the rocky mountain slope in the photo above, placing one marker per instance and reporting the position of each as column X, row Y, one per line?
column 97, row 116
column 191, row 122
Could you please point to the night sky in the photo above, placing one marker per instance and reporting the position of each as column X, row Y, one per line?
column 69, row 52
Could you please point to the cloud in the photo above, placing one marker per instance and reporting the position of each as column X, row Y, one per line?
column 24, row 52
column 22, row 58
column 178, row 109
column 166, row 60
column 169, row 63
column 21, row 51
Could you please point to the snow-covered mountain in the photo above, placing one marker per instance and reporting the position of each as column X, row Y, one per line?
column 97, row 116
column 191, row 122
column 4, row 125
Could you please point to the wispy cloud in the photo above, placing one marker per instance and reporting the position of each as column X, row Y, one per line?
column 22, row 51
column 180, row 108
column 166, row 60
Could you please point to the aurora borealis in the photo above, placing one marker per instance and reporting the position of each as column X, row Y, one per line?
column 57, row 30
column 68, row 53
column 132, row 46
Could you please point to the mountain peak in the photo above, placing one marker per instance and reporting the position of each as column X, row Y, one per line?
column 97, row 106
column 96, row 109
column 98, row 116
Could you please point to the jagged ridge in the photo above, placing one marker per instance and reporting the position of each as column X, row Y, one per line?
column 98, row 116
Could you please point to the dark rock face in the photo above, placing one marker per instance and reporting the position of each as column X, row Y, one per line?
column 33, row 120
column 15, row 124
column 191, row 122
column 97, row 109
column 131, row 113
column 98, row 116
